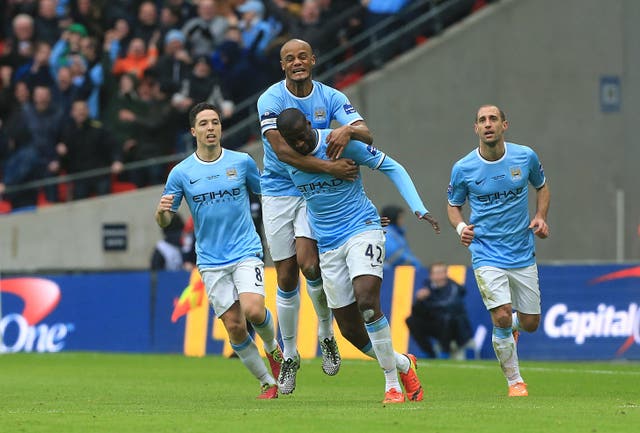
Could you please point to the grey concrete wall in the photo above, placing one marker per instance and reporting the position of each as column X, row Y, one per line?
column 540, row 60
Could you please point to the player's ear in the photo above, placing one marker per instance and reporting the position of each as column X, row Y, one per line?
column 281, row 65
column 505, row 125
column 193, row 131
column 313, row 59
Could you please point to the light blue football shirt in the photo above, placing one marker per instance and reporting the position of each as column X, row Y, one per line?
column 498, row 197
column 217, row 195
column 340, row 209
column 323, row 105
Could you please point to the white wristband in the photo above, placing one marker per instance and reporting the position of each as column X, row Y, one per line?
column 461, row 225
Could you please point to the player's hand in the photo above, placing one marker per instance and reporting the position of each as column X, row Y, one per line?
column 466, row 235
column 540, row 228
column 166, row 202
column 385, row 221
column 431, row 220
column 345, row 169
column 337, row 141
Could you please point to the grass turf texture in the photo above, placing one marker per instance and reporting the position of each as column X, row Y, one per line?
column 87, row 392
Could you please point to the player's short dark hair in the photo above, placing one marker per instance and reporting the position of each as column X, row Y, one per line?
column 289, row 119
column 201, row 106
column 503, row 116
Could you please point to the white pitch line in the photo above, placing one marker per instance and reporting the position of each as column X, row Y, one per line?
column 543, row 369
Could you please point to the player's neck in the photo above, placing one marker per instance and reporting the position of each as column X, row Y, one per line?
column 208, row 154
column 492, row 153
column 301, row 88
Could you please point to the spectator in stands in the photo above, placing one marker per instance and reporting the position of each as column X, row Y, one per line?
column 68, row 47
column 257, row 33
column 65, row 92
column 206, row 31
column 310, row 26
column 47, row 26
column 138, row 58
column 185, row 9
column 38, row 70
column 7, row 92
column 377, row 12
column 86, row 145
column 19, row 48
column 174, row 65
column 91, row 15
column 439, row 313
column 397, row 250
column 93, row 79
column 43, row 119
column 167, row 254
column 147, row 21
column 203, row 85
column 154, row 132
column 21, row 164
column 123, row 98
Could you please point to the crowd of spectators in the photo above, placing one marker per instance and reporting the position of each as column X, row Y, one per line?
column 98, row 84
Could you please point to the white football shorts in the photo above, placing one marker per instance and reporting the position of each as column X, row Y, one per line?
column 284, row 219
column 518, row 287
column 362, row 254
column 225, row 283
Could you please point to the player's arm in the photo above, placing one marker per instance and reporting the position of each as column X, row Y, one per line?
column 338, row 139
column 164, row 214
column 539, row 221
column 342, row 168
column 456, row 219
column 253, row 176
column 401, row 179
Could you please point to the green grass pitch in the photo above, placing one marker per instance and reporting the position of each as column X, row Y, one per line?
column 88, row 392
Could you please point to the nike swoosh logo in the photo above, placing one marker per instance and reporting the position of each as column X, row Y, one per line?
column 478, row 182
column 193, row 181
column 258, row 284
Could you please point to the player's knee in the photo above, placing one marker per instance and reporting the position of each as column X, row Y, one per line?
column 237, row 330
column 288, row 281
column 254, row 313
column 311, row 271
column 530, row 323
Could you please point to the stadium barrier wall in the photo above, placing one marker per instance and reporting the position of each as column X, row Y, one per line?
column 589, row 313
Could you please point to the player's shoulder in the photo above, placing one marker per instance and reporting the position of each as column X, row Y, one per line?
column 469, row 158
column 515, row 149
column 237, row 155
column 273, row 91
column 325, row 89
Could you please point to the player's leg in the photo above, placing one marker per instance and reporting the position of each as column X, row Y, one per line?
column 525, row 290
column 309, row 262
column 496, row 294
column 224, row 300
column 248, row 277
column 277, row 215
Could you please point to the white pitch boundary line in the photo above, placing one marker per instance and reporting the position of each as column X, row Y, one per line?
column 472, row 366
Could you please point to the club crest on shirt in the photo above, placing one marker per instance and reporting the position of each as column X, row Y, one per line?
column 319, row 114
column 516, row 173
column 232, row 173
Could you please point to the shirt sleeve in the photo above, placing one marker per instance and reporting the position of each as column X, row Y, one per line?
column 268, row 110
column 342, row 110
column 253, row 176
column 174, row 186
column 536, row 172
column 401, row 179
column 457, row 190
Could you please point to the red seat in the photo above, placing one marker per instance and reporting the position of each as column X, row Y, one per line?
column 5, row 206
column 119, row 186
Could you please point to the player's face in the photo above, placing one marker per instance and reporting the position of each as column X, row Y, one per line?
column 207, row 128
column 301, row 138
column 490, row 126
column 297, row 61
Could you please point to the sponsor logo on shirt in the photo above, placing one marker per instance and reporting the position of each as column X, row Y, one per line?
column 372, row 150
column 348, row 109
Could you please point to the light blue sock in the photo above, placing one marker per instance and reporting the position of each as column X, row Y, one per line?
column 250, row 357
column 266, row 331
